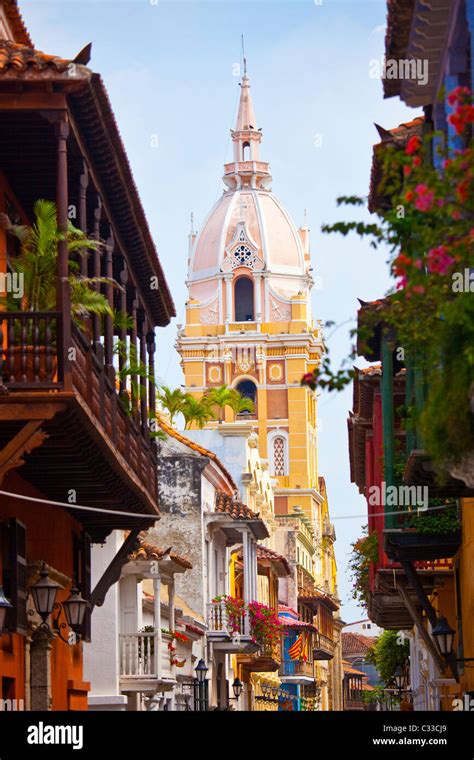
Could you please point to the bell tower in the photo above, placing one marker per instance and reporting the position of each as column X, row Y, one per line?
column 248, row 316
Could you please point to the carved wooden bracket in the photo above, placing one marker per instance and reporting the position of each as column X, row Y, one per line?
column 112, row 573
column 28, row 438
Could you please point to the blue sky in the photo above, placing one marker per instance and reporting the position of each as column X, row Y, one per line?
column 170, row 71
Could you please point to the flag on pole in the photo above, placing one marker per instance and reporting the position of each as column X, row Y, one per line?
column 296, row 649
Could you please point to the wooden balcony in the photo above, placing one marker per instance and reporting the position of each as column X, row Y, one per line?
column 403, row 545
column 226, row 634
column 386, row 607
column 266, row 659
column 62, row 389
column 323, row 647
column 296, row 671
column 144, row 664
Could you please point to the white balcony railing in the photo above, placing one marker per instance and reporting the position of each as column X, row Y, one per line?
column 137, row 655
column 220, row 621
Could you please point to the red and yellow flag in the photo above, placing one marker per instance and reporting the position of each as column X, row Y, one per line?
column 296, row 649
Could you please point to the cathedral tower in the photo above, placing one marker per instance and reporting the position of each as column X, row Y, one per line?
column 248, row 317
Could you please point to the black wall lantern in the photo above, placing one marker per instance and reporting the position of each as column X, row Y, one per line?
column 44, row 593
column 443, row 634
column 237, row 688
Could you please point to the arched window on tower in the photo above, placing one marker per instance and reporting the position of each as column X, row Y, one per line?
column 246, row 151
column 248, row 389
column 243, row 300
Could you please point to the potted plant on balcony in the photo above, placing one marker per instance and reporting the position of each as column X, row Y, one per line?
column 428, row 535
column 235, row 612
column 36, row 265
column 265, row 627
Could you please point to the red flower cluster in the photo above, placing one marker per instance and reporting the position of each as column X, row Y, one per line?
column 424, row 197
column 264, row 624
column 463, row 114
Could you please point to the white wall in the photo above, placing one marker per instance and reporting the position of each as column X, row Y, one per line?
column 101, row 666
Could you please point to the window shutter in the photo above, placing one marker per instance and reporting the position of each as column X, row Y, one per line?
column 15, row 575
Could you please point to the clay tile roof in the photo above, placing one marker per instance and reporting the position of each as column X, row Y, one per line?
column 15, row 20
column 285, row 608
column 264, row 553
column 236, row 509
column 22, row 57
column 149, row 550
column 349, row 670
column 398, row 136
column 356, row 643
column 169, row 430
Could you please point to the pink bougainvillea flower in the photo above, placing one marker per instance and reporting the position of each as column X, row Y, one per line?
column 439, row 260
column 425, row 197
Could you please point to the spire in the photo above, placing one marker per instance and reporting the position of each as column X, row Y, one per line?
column 246, row 116
column 246, row 170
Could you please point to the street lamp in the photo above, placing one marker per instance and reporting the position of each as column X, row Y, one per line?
column 75, row 609
column 44, row 595
column 4, row 607
column 444, row 636
column 237, row 687
column 400, row 678
column 201, row 687
column 201, row 671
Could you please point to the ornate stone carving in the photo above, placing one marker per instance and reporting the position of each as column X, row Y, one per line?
column 280, row 312
column 210, row 315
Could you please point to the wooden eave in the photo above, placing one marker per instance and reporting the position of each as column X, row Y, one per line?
column 98, row 473
column 96, row 131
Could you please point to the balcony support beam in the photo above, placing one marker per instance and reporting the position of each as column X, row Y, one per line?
column 112, row 574
column 417, row 620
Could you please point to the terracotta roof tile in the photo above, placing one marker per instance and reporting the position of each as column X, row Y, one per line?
column 356, row 643
column 236, row 509
column 169, row 430
column 16, row 22
column 149, row 550
column 22, row 57
column 349, row 670
column 264, row 553
column 398, row 136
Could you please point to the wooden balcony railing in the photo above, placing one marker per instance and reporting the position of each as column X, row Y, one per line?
column 30, row 360
column 323, row 647
column 296, row 668
column 28, row 353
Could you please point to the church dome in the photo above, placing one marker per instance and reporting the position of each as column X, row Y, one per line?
column 266, row 228
column 248, row 226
